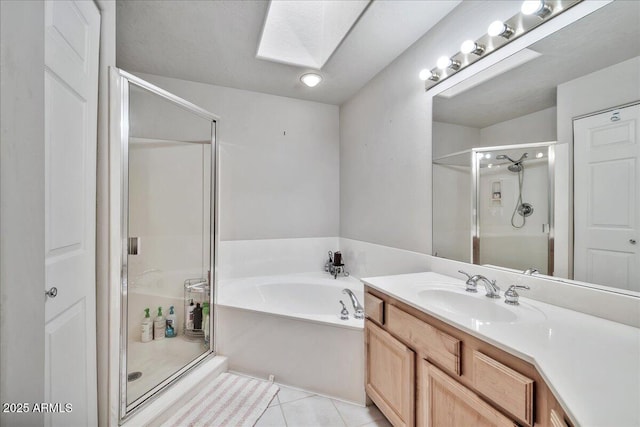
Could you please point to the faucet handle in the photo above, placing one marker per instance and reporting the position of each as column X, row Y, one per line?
column 511, row 296
column 465, row 273
column 344, row 313
column 472, row 285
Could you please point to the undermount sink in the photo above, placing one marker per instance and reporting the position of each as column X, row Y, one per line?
column 475, row 306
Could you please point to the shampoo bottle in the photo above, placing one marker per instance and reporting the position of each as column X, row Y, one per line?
column 159, row 325
column 147, row 327
column 172, row 324
column 190, row 309
column 197, row 318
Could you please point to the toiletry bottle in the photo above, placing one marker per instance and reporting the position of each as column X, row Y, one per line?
column 147, row 327
column 197, row 318
column 172, row 324
column 205, row 321
column 190, row 315
column 159, row 325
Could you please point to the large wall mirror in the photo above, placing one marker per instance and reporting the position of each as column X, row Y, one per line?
column 536, row 159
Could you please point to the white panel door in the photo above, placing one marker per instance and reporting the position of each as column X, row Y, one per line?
column 607, row 198
column 72, row 35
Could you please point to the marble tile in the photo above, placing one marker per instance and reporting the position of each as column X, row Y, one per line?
column 287, row 394
column 272, row 417
column 354, row 415
column 314, row 411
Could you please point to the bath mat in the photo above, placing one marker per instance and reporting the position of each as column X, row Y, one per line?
column 228, row 401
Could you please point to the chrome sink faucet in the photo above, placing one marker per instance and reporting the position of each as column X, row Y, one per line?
column 493, row 290
column 358, row 310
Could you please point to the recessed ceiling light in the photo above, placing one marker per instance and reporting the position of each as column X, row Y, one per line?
column 311, row 79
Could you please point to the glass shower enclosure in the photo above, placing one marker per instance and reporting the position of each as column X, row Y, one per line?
column 495, row 206
column 164, row 153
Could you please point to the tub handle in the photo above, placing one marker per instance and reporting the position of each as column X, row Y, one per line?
column 344, row 313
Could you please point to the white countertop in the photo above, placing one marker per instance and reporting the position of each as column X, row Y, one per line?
column 591, row 365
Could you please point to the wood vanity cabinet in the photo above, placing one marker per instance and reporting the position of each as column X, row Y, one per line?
column 390, row 371
column 422, row 371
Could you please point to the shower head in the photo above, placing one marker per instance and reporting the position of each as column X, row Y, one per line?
column 517, row 164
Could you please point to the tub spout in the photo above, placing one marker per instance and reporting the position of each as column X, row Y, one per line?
column 359, row 311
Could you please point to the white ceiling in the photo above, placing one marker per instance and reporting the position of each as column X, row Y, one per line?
column 605, row 37
column 216, row 42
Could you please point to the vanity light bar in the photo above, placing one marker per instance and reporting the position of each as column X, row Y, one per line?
column 499, row 33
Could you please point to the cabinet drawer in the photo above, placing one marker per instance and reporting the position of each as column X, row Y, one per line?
column 439, row 347
column 506, row 387
column 374, row 308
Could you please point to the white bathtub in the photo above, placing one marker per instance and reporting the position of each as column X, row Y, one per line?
column 289, row 326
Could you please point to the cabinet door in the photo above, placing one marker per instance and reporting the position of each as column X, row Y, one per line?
column 442, row 401
column 390, row 375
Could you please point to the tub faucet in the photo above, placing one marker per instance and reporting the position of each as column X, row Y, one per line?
column 530, row 271
column 359, row 311
column 334, row 265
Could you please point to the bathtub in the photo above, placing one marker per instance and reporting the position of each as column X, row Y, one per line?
column 289, row 326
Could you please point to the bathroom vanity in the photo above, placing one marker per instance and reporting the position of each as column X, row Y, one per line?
column 437, row 355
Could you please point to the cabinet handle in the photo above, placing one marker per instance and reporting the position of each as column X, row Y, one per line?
column 632, row 241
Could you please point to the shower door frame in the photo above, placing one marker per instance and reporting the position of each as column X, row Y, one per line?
column 119, row 83
column 475, row 196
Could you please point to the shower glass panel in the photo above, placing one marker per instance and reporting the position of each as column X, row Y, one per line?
column 169, row 224
column 513, row 203
column 452, row 195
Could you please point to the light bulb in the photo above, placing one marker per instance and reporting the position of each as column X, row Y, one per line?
column 424, row 74
column 539, row 155
column 535, row 7
column 467, row 46
column 499, row 28
column 311, row 79
column 487, row 156
column 443, row 62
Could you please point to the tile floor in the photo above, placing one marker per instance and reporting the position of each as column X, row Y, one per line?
column 295, row 408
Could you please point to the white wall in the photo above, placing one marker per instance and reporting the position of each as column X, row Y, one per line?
column 535, row 127
column 279, row 165
column 385, row 134
column 22, row 187
column 453, row 138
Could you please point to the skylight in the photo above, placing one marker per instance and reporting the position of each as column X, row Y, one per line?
column 306, row 33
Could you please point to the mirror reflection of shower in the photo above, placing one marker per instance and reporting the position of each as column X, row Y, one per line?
column 521, row 208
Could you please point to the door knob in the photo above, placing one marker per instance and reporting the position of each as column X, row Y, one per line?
column 51, row 292
column 632, row 241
